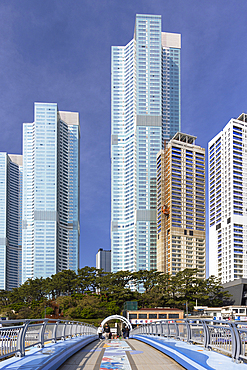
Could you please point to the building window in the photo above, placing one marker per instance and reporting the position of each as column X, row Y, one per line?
column 162, row 316
column 173, row 316
column 142, row 316
column 132, row 316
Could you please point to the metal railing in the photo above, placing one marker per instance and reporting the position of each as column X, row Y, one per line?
column 18, row 335
column 227, row 337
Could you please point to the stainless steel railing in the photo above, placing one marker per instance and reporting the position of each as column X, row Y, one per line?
column 18, row 335
column 230, row 338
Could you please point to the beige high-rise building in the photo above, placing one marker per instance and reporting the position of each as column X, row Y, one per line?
column 181, row 229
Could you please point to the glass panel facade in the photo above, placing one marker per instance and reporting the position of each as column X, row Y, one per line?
column 10, row 208
column 50, row 192
column 139, row 123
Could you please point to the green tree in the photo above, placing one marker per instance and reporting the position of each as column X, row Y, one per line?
column 147, row 279
column 87, row 279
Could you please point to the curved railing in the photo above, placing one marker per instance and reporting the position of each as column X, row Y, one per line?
column 228, row 337
column 18, row 335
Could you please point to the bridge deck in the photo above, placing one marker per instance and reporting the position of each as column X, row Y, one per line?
column 127, row 355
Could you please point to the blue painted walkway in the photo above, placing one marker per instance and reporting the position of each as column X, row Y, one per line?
column 191, row 357
column 48, row 358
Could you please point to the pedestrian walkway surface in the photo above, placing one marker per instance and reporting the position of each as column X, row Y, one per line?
column 48, row 358
column 119, row 355
column 192, row 357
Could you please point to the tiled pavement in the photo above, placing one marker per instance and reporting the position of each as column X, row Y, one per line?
column 125, row 355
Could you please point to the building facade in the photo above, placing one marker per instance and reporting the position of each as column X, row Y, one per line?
column 148, row 315
column 228, row 201
column 181, row 229
column 10, row 220
column 51, row 181
column 145, row 110
column 103, row 260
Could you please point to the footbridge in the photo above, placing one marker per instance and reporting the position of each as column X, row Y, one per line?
column 69, row 345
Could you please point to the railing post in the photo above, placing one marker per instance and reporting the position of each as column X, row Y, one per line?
column 21, row 340
column 69, row 326
column 236, row 343
column 188, row 330
column 206, row 334
column 164, row 328
column 42, row 334
column 177, row 330
column 54, row 333
column 156, row 329
column 161, row 328
column 64, row 331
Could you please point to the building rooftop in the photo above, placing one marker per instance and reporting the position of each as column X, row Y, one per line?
column 242, row 117
column 185, row 138
column 158, row 309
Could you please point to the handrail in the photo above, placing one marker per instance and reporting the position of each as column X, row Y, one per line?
column 228, row 337
column 17, row 335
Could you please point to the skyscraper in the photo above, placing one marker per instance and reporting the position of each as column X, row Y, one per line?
column 103, row 260
column 10, row 219
column 181, row 229
column 145, row 110
column 228, row 201
column 50, row 218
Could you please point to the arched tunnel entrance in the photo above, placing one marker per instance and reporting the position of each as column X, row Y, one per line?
column 117, row 317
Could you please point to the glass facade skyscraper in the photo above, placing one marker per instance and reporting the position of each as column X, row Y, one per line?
column 10, row 217
column 50, row 217
column 145, row 111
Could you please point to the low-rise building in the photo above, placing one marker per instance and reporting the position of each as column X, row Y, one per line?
column 222, row 313
column 148, row 315
column 234, row 312
column 209, row 312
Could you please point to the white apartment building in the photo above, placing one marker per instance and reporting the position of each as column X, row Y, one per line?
column 227, row 153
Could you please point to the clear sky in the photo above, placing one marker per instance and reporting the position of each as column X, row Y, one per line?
column 59, row 51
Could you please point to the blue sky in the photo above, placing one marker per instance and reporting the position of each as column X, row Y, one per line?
column 59, row 51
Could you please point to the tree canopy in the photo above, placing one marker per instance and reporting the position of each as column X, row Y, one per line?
column 93, row 293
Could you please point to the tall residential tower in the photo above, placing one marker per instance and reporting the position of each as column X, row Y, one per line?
column 181, row 228
column 50, row 217
column 145, row 111
column 228, row 201
column 10, row 220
